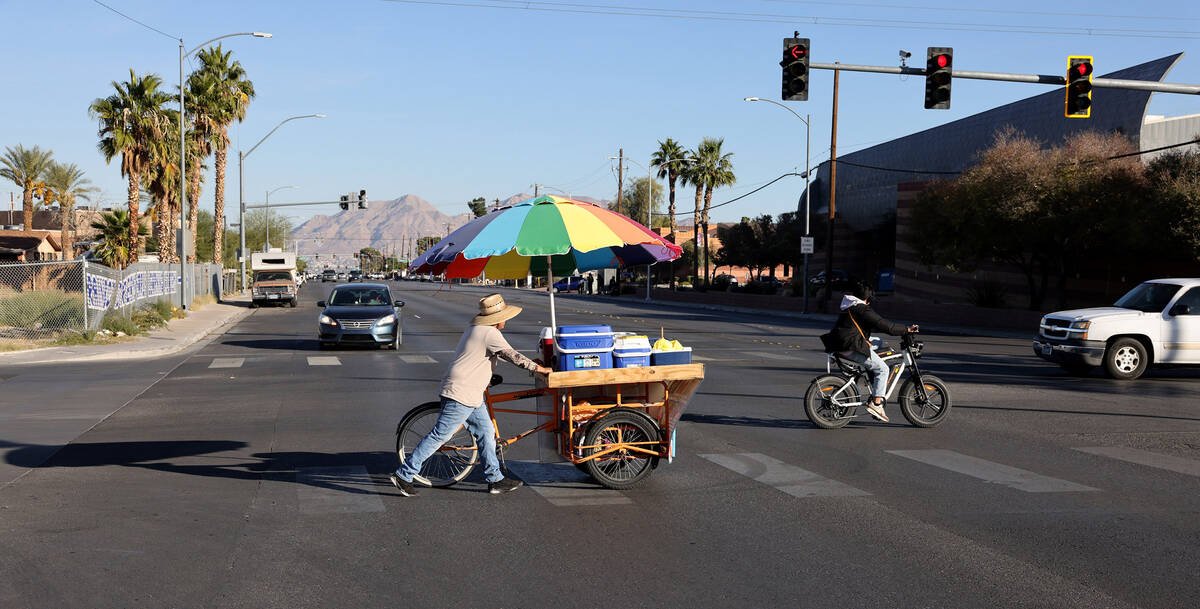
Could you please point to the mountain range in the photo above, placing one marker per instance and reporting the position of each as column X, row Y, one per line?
column 388, row 226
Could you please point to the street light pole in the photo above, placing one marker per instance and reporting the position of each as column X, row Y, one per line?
column 242, row 191
column 267, row 240
column 183, row 202
column 807, row 149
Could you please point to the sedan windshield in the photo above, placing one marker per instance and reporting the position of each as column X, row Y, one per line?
column 349, row 297
column 1148, row 297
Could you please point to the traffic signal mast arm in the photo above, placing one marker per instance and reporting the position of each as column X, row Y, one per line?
column 1102, row 83
column 274, row 205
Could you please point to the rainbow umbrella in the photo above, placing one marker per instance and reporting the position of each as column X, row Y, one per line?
column 549, row 234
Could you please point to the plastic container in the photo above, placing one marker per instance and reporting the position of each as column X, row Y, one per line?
column 631, row 351
column 546, row 346
column 583, row 347
column 671, row 358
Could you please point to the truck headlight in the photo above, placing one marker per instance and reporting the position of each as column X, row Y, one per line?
column 327, row 320
column 1081, row 325
column 388, row 320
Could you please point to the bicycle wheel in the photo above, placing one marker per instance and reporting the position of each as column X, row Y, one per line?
column 622, row 468
column 929, row 410
column 448, row 464
column 831, row 401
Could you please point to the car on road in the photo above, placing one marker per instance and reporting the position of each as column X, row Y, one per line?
column 360, row 313
column 329, row 275
column 841, row 280
column 1155, row 323
column 568, row 284
column 355, row 276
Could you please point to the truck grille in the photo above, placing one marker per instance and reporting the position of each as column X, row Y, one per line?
column 356, row 324
column 274, row 290
column 1055, row 328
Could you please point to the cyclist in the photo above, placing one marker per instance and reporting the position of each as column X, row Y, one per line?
column 851, row 338
column 462, row 396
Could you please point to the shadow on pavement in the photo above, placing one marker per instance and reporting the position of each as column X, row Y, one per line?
column 180, row 457
column 720, row 419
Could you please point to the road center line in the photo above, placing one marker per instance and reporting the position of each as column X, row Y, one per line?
column 790, row 479
column 988, row 471
column 1172, row 463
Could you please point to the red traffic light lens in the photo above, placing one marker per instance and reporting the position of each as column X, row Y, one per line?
column 942, row 60
column 1084, row 68
column 799, row 52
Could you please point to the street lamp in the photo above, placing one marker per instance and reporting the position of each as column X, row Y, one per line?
column 242, row 191
column 267, row 240
column 807, row 172
column 650, row 200
column 183, row 202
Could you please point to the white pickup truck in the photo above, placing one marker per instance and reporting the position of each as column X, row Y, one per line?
column 1158, row 322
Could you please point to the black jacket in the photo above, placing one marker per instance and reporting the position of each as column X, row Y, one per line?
column 846, row 335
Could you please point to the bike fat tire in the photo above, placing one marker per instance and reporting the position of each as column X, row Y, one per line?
column 620, row 470
column 824, row 412
column 931, row 412
column 443, row 467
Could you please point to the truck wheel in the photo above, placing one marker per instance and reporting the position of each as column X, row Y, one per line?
column 292, row 303
column 253, row 305
column 1126, row 359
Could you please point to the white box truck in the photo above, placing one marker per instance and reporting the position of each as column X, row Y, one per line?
column 274, row 278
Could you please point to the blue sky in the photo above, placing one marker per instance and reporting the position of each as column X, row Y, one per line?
column 452, row 102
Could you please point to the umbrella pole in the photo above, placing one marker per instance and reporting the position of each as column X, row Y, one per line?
column 550, row 288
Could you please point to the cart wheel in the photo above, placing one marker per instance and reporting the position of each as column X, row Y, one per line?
column 825, row 410
column 450, row 463
column 622, row 468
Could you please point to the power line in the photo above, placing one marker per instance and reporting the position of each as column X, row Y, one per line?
column 149, row 27
column 986, row 10
column 729, row 16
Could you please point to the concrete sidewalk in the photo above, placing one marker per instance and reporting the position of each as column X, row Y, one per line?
column 178, row 335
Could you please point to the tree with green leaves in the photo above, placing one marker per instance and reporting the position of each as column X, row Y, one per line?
column 25, row 167
column 636, row 197
column 161, row 182
column 229, row 96
column 70, row 186
column 205, row 228
column 115, row 239
column 712, row 168
column 424, row 243
column 200, row 99
column 478, row 206
column 132, row 124
column 671, row 158
column 256, row 228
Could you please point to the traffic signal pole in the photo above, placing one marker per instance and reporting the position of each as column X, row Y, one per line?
column 832, row 198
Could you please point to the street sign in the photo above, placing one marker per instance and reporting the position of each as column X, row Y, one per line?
column 806, row 245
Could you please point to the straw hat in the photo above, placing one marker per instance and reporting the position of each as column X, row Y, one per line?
column 492, row 310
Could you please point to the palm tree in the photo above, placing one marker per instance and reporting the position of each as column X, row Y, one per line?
column 670, row 160
column 692, row 175
column 115, row 228
column 132, row 124
column 68, row 184
column 25, row 168
column 230, row 95
column 717, row 169
column 162, row 184
column 198, row 97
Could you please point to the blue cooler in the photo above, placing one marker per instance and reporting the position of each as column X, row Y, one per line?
column 631, row 351
column 583, row 347
column 671, row 358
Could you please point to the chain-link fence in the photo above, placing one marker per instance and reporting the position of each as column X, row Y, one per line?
column 41, row 301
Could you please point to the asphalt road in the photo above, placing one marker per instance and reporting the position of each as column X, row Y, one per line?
column 246, row 473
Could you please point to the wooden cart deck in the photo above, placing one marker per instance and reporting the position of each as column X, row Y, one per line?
column 621, row 376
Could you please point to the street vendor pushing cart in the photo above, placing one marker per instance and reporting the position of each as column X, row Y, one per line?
column 462, row 396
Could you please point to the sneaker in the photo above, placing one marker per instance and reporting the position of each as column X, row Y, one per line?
column 406, row 488
column 504, row 486
column 876, row 410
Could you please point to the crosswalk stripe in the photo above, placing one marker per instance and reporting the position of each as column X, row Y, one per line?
column 227, row 362
column 337, row 490
column 417, row 359
column 1172, row 463
column 565, row 486
column 766, row 355
column 324, row 360
column 988, row 471
column 790, row 479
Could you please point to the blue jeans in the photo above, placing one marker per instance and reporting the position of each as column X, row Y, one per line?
column 878, row 369
column 453, row 416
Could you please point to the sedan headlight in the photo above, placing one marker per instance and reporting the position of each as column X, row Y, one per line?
column 327, row 320
column 384, row 321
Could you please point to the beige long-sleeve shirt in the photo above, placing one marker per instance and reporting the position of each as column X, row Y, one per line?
column 475, row 361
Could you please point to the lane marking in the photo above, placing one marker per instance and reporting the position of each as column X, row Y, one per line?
column 565, row 486
column 991, row 472
column 790, row 479
column 227, row 362
column 336, row 490
column 417, row 359
column 765, row 355
column 1172, row 463
column 324, row 360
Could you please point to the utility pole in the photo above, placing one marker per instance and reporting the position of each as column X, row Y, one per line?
column 832, row 198
column 620, row 176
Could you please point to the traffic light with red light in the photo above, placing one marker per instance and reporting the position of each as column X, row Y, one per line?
column 362, row 199
column 939, row 62
column 795, row 69
column 1079, row 86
